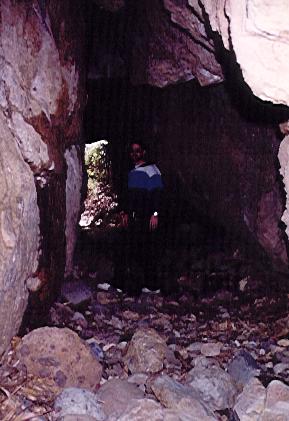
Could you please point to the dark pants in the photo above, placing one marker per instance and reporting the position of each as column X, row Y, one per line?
column 138, row 256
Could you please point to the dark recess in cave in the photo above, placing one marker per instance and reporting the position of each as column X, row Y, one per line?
column 121, row 112
column 118, row 111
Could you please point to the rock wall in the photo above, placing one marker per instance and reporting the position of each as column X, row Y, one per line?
column 257, row 32
column 41, row 103
column 170, row 44
column 226, row 162
column 74, row 159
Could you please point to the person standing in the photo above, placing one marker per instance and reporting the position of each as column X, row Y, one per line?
column 140, row 218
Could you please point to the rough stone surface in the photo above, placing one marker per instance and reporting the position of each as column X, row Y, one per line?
column 230, row 167
column 174, row 395
column 140, row 410
column 40, row 101
column 75, row 401
column 171, row 47
column 76, row 292
column 214, row 387
column 277, row 391
column 19, row 234
column 257, row 32
column 77, row 418
column 242, row 368
column 60, row 355
column 283, row 156
column 73, row 201
column 277, row 412
column 116, row 395
column 251, row 402
column 211, row 349
column 146, row 352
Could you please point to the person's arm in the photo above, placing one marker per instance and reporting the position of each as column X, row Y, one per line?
column 156, row 199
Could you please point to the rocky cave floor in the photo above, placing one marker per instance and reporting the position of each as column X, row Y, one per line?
column 221, row 355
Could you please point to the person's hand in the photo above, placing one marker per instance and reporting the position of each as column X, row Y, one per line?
column 124, row 219
column 154, row 222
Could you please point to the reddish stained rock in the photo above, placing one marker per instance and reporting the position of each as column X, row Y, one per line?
column 61, row 356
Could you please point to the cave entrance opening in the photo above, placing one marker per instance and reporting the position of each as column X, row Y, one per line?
column 101, row 199
column 217, row 150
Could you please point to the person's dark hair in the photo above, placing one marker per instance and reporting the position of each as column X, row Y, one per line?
column 136, row 142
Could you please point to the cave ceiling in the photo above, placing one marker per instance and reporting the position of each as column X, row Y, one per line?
column 178, row 40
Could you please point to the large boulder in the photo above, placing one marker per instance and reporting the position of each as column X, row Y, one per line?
column 61, row 357
column 41, row 103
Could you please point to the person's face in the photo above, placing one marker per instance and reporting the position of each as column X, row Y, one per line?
column 136, row 152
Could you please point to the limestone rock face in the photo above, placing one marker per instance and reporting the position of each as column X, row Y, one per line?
column 41, row 101
column 257, row 32
column 73, row 200
column 283, row 156
column 19, row 221
column 170, row 44
column 60, row 356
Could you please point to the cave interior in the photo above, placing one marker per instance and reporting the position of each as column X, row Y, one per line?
column 208, row 96
column 217, row 146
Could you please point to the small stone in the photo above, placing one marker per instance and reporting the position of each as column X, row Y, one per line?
column 75, row 401
column 242, row 368
column 174, row 395
column 214, row 386
column 251, row 402
column 33, row 284
column 280, row 368
column 107, row 347
column 76, row 292
column 276, row 391
column 122, row 345
column 146, row 352
column 80, row 320
column 194, row 347
column 116, row 394
column 243, row 283
column 283, row 342
column 106, row 298
column 211, row 349
column 95, row 349
column 105, row 286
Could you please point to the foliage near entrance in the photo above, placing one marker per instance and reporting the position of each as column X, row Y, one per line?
column 101, row 201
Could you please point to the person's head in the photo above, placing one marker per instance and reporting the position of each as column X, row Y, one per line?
column 137, row 152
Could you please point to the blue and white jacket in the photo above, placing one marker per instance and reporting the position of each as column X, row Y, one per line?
column 144, row 191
